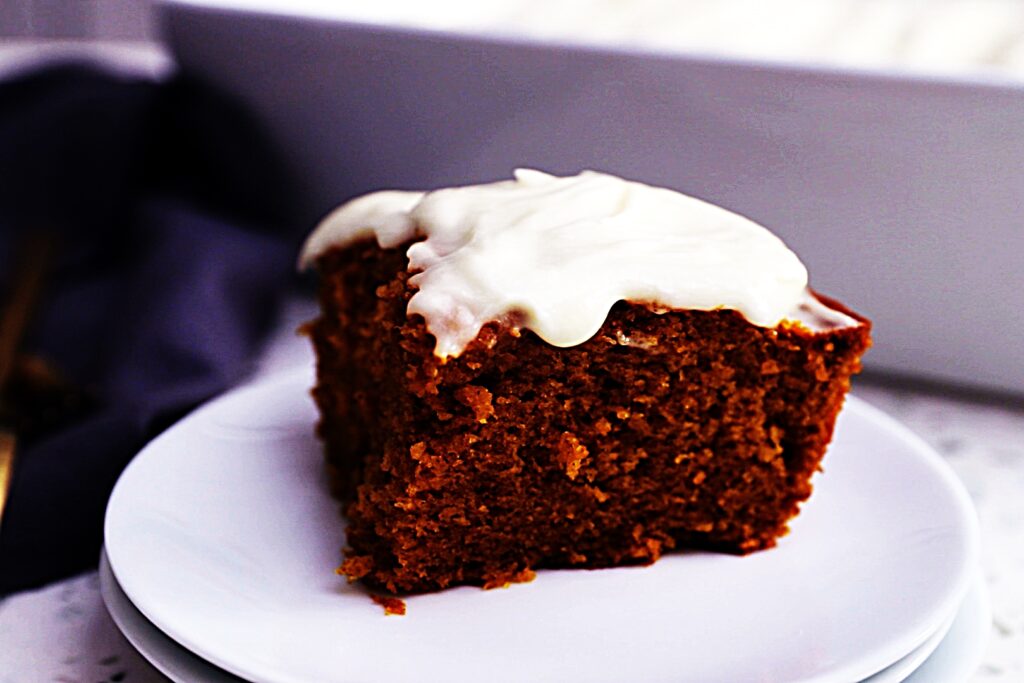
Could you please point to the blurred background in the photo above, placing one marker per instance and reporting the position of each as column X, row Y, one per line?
column 132, row 20
column 952, row 35
column 957, row 35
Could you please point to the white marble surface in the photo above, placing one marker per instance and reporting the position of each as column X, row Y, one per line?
column 63, row 634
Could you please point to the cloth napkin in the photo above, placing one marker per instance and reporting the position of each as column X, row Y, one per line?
column 173, row 248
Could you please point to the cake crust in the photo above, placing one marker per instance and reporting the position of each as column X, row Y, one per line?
column 665, row 430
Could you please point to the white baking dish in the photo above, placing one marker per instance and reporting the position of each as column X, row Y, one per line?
column 903, row 194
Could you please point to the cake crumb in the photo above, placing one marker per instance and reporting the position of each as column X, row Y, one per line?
column 506, row 579
column 477, row 399
column 355, row 567
column 418, row 451
column 571, row 454
column 392, row 606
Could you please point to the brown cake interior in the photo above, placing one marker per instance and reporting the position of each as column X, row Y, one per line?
column 680, row 429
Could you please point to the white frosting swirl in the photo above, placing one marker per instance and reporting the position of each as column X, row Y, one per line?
column 559, row 252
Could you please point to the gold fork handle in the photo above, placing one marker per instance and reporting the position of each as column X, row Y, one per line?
column 7, row 443
column 33, row 264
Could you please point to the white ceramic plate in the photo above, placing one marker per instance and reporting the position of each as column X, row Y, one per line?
column 952, row 653
column 222, row 534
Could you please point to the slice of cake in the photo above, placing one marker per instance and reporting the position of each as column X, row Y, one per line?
column 565, row 372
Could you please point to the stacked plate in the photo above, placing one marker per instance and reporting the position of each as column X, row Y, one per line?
column 221, row 541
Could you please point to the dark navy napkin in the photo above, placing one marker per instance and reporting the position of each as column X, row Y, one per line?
column 170, row 218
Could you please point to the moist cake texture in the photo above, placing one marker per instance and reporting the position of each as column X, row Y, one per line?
column 666, row 429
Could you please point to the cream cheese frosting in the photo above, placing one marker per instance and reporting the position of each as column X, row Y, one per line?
column 559, row 252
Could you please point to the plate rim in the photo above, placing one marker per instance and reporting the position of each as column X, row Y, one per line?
column 123, row 613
